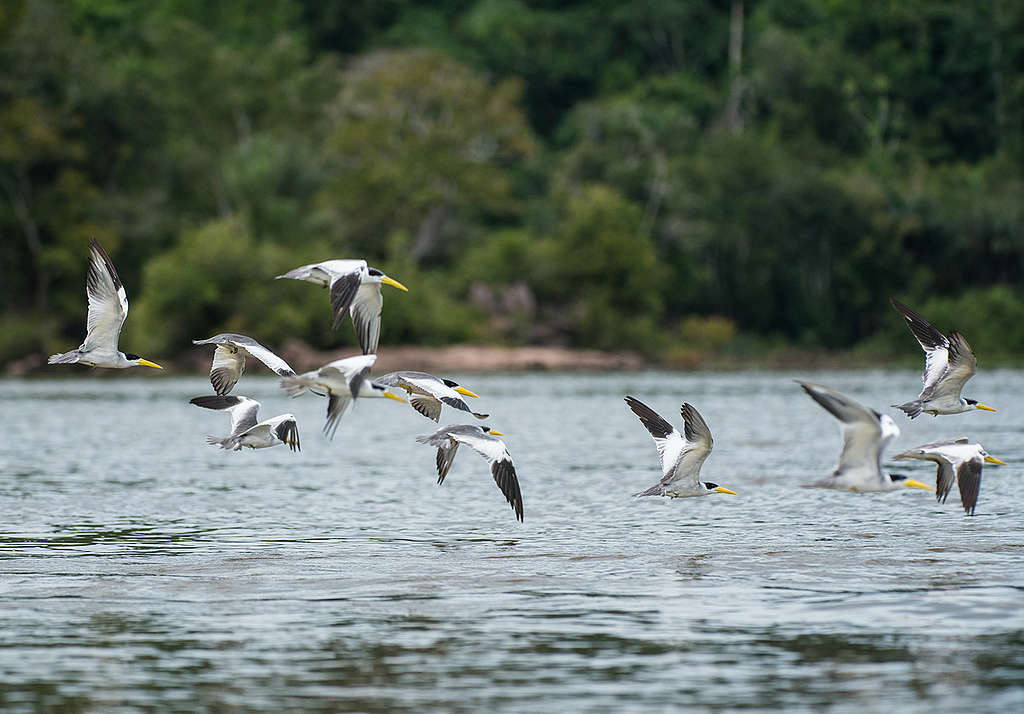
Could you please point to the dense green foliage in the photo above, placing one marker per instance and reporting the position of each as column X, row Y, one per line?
column 661, row 175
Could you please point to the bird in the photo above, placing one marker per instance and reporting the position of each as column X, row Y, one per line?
column 865, row 434
column 229, row 359
column 108, row 308
column 949, row 363
column 960, row 459
column 427, row 392
column 343, row 380
column 483, row 440
column 245, row 430
column 355, row 288
column 682, row 455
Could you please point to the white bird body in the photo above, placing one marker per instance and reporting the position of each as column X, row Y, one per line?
column 427, row 392
column 229, row 359
column 958, row 460
column 344, row 380
column 681, row 455
column 355, row 289
column 108, row 309
column 246, row 431
column 949, row 363
column 865, row 435
column 485, row 442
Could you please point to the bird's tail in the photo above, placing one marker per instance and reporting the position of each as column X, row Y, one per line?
column 297, row 384
column 232, row 443
column 654, row 490
column 64, row 358
column 911, row 409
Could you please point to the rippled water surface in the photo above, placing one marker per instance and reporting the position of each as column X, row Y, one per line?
column 141, row 569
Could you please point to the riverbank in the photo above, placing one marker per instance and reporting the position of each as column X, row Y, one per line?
column 455, row 359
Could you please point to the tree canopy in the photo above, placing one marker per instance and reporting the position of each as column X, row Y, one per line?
column 595, row 174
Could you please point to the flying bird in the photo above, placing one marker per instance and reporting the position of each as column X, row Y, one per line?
column 355, row 288
column 343, row 380
column 682, row 455
column 229, row 359
column 948, row 364
column 865, row 434
column 108, row 308
column 427, row 393
column 484, row 441
column 958, row 459
column 245, row 430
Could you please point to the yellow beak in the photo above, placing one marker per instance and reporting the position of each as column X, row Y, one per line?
column 495, row 432
column 393, row 283
column 397, row 398
column 723, row 489
column 912, row 483
column 147, row 363
column 994, row 460
column 985, row 407
column 463, row 390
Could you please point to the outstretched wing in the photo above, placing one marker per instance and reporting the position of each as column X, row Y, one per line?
column 243, row 410
column 288, row 432
column 343, row 292
column 108, row 302
column 366, row 310
column 860, row 427
column 228, row 366
column 933, row 342
column 502, row 468
column 337, row 403
column 968, row 480
column 961, row 366
column 668, row 440
column 426, row 405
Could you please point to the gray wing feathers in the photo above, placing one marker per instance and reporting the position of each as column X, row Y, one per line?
column 695, row 429
column 108, row 302
column 343, row 292
column 336, row 406
column 655, row 424
column 968, row 479
column 243, row 410
column 228, row 366
column 427, row 406
column 366, row 310
column 445, row 459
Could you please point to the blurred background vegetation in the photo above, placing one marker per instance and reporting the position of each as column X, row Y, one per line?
column 669, row 176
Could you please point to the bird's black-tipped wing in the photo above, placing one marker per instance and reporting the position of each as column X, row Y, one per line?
column 288, row 432
column 108, row 301
column 243, row 410
column 968, row 479
column 695, row 429
column 654, row 422
column 924, row 331
column 445, row 459
column 366, row 314
column 504, row 472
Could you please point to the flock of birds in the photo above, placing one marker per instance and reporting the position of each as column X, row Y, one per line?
column 355, row 289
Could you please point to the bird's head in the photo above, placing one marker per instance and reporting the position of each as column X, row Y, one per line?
column 488, row 431
column 139, row 362
column 459, row 388
column 377, row 276
column 989, row 459
column 715, row 488
column 975, row 404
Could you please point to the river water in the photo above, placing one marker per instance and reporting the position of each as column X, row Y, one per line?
column 143, row 570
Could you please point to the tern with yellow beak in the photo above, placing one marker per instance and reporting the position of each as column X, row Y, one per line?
column 865, row 434
column 949, row 362
column 682, row 455
column 355, row 288
column 427, row 393
column 484, row 441
column 344, row 380
column 958, row 459
column 108, row 308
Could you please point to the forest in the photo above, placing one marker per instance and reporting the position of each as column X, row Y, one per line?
column 667, row 176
